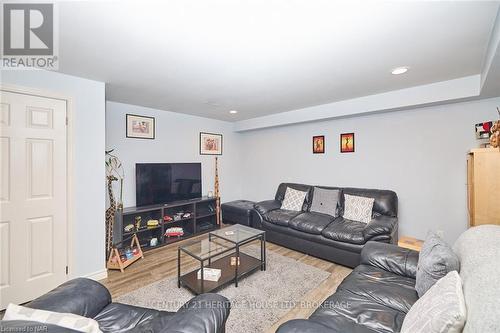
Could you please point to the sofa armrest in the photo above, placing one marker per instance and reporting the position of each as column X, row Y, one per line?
column 81, row 296
column 204, row 313
column 266, row 206
column 391, row 258
column 379, row 227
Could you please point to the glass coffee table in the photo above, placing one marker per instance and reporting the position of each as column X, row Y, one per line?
column 220, row 250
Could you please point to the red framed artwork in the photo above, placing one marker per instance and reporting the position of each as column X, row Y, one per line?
column 347, row 143
column 319, row 144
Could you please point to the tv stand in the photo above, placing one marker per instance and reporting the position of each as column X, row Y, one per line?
column 202, row 219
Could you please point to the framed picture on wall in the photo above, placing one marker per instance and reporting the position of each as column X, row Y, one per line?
column 210, row 144
column 347, row 143
column 319, row 144
column 140, row 127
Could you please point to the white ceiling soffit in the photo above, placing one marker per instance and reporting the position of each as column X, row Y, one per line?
column 434, row 93
column 264, row 58
column 483, row 85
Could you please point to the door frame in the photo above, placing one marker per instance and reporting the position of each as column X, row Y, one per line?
column 70, row 258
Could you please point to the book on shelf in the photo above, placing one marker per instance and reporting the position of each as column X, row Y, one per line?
column 209, row 274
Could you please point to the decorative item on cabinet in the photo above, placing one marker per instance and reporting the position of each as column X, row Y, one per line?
column 138, row 221
column 153, row 223
column 129, row 228
column 495, row 132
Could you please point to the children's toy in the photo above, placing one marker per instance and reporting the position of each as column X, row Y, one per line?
column 120, row 258
column 153, row 223
column 174, row 232
column 129, row 227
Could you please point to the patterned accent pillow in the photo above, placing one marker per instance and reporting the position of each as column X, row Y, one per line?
column 325, row 201
column 294, row 200
column 358, row 208
column 67, row 320
column 441, row 310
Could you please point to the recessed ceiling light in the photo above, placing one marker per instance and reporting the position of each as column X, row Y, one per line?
column 233, row 112
column 399, row 70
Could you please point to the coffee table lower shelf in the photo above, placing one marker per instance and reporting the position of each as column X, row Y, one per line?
column 247, row 265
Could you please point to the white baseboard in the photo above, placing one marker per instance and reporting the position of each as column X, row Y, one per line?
column 99, row 275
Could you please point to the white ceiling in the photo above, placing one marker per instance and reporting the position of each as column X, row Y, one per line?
column 261, row 57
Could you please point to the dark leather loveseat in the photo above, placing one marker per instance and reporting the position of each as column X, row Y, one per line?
column 375, row 297
column 335, row 239
column 88, row 298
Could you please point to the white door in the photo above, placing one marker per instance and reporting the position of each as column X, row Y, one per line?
column 33, row 201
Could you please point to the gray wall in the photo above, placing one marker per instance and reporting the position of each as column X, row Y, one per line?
column 177, row 140
column 88, row 160
column 420, row 154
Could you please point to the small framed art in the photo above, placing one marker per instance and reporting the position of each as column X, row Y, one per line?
column 210, row 144
column 347, row 143
column 319, row 144
column 140, row 127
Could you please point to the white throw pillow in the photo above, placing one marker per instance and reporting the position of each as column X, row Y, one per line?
column 67, row 320
column 294, row 200
column 440, row 310
column 358, row 208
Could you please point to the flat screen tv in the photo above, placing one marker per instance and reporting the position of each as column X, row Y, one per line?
column 159, row 183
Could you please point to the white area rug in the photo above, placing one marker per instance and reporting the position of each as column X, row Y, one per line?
column 259, row 301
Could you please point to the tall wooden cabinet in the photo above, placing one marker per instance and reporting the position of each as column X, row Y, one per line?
column 483, row 186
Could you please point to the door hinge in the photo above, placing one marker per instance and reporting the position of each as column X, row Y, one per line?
column 67, row 270
column 66, row 121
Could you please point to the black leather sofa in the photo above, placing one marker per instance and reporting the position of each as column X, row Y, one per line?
column 375, row 297
column 334, row 239
column 88, row 298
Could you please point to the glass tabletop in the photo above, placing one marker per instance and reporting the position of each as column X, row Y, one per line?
column 237, row 233
column 205, row 249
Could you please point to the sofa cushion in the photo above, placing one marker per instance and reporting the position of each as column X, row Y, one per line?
column 280, row 193
column 369, row 297
column 280, row 216
column 386, row 202
column 440, row 310
column 290, row 234
column 344, row 310
column 325, row 201
column 294, row 200
column 383, row 287
column 32, row 326
column 345, row 231
column 312, row 223
column 67, row 320
column 358, row 208
column 435, row 261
